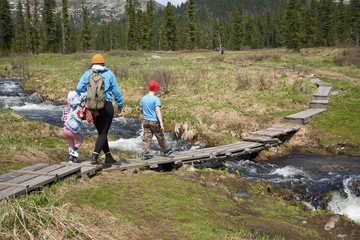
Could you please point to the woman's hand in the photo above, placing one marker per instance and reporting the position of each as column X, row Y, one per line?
column 120, row 112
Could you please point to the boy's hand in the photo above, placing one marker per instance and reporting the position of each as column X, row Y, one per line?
column 120, row 112
column 162, row 127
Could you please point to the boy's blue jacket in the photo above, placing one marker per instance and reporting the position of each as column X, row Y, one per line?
column 111, row 85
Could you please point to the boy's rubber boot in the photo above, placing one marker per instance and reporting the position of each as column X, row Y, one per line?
column 109, row 158
column 94, row 159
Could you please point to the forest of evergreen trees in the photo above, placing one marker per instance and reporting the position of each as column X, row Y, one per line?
column 196, row 24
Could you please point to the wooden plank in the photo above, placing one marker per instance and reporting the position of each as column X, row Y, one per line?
column 319, row 104
column 242, row 148
column 90, row 170
column 82, row 164
column 225, row 146
column 39, row 181
column 321, row 83
column 24, row 177
column 34, row 173
column 12, row 192
column 6, row 184
column 323, row 91
column 248, row 151
column 260, row 139
column 67, row 170
column 286, row 128
column 303, row 117
column 268, row 133
column 10, row 175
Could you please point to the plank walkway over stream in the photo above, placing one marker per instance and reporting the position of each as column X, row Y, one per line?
column 19, row 182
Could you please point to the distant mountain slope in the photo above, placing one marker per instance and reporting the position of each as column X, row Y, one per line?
column 99, row 9
column 222, row 8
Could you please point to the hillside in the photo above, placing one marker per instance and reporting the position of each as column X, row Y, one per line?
column 99, row 9
column 222, row 8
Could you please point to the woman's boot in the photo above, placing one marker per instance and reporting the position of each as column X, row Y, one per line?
column 109, row 158
column 94, row 158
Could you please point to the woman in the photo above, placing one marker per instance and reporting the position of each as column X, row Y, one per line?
column 103, row 117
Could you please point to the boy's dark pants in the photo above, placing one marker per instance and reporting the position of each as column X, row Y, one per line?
column 151, row 128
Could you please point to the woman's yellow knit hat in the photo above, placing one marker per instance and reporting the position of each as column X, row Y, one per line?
column 98, row 59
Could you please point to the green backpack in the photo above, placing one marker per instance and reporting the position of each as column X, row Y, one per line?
column 95, row 91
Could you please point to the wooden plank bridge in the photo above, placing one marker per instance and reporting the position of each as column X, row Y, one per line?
column 18, row 182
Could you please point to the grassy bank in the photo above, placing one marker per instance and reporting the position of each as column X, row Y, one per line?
column 204, row 204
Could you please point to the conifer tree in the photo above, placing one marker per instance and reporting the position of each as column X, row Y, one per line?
column 6, row 26
column 268, row 31
column 302, row 8
column 148, row 26
column 168, row 29
column 28, row 26
column 326, row 20
column 238, row 31
column 181, row 36
column 34, row 38
column 191, row 25
column 249, row 31
column 355, row 21
column 132, row 24
column 86, row 28
column 216, row 38
column 293, row 26
column 310, row 24
column 20, row 44
column 342, row 22
column 65, row 27
column 48, row 19
column 280, row 27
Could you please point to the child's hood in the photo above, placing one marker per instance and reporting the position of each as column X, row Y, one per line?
column 98, row 68
column 74, row 101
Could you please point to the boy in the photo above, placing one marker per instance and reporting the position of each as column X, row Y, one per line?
column 150, row 107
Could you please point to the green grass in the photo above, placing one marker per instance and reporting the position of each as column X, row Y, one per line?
column 338, row 128
column 197, row 205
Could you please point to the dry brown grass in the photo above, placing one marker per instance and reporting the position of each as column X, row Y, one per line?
column 48, row 221
column 348, row 57
column 123, row 53
column 256, row 58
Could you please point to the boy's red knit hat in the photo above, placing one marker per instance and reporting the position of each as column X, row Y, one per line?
column 153, row 86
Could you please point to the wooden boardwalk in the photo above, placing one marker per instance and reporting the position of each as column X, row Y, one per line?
column 22, row 181
column 18, row 182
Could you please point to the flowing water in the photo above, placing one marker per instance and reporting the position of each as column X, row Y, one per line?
column 312, row 177
column 128, row 131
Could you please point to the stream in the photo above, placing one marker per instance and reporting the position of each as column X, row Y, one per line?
column 313, row 177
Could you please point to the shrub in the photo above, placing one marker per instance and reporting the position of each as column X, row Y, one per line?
column 244, row 81
column 348, row 57
column 121, row 73
column 264, row 83
column 217, row 58
column 256, row 58
column 162, row 76
column 81, row 55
